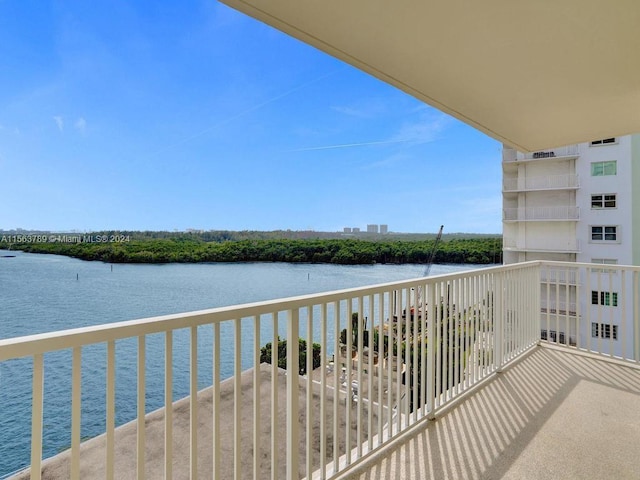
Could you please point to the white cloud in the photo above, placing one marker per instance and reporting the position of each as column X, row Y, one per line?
column 427, row 128
column 369, row 108
column 395, row 159
column 421, row 107
column 424, row 130
column 353, row 112
column 347, row 145
column 59, row 122
column 81, row 124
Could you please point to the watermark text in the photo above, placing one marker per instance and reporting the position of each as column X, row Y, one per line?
column 60, row 238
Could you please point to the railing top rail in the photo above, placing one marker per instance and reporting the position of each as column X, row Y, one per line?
column 577, row 265
column 40, row 343
column 555, row 175
column 58, row 340
column 542, row 208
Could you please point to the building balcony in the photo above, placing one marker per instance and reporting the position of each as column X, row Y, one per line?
column 417, row 397
column 546, row 182
column 572, row 246
column 570, row 152
column 559, row 273
column 541, row 214
column 561, row 308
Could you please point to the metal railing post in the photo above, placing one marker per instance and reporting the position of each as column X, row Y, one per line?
column 636, row 317
column 498, row 321
column 537, row 302
column 36, row 416
column 293, row 387
column 432, row 321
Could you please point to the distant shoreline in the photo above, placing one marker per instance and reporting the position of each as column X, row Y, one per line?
column 180, row 249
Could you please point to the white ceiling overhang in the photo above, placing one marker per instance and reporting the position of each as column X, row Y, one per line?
column 533, row 74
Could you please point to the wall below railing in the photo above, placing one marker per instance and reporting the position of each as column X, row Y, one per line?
column 390, row 356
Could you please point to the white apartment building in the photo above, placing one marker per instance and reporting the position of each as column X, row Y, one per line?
column 579, row 203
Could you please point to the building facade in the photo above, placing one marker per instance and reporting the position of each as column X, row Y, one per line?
column 576, row 203
column 579, row 203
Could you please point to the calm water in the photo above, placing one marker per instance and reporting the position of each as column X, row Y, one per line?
column 41, row 293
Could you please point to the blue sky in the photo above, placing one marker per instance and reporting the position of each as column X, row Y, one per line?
column 176, row 115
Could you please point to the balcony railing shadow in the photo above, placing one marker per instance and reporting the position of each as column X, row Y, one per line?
column 553, row 414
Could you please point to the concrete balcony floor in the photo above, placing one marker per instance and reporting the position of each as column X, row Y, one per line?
column 552, row 415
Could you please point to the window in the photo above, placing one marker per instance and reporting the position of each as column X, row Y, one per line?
column 604, row 261
column 608, row 299
column 604, row 141
column 600, row 169
column 603, row 200
column 544, row 154
column 552, row 336
column 604, row 233
column 604, row 330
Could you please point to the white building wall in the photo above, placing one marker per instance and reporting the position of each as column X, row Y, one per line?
column 535, row 183
column 621, row 216
column 533, row 219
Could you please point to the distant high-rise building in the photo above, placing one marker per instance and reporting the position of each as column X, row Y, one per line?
column 384, row 229
column 346, row 230
column 355, row 230
column 372, row 228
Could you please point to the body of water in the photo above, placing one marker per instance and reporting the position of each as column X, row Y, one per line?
column 42, row 293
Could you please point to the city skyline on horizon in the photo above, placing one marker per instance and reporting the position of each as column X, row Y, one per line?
column 20, row 230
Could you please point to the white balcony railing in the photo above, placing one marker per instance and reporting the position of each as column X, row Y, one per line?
column 509, row 155
column 546, row 182
column 415, row 346
column 561, row 152
column 572, row 246
column 561, row 307
column 522, row 214
column 593, row 308
column 559, row 275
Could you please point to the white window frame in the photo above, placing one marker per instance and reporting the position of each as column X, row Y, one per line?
column 603, row 232
column 603, row 164
column 603, row 199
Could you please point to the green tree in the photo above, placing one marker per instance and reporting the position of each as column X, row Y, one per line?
column 266, row 355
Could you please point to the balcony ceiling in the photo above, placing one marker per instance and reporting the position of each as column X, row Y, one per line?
column 534, row 74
